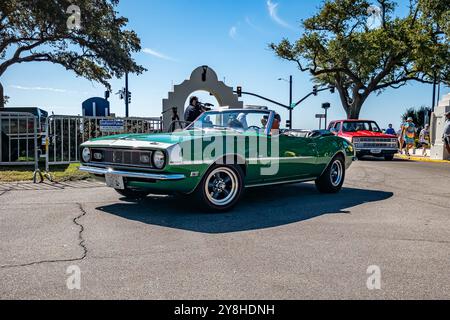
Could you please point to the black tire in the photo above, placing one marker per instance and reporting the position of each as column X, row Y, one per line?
column 359, row 157
column 222, row 179
column 333, row 178
column 133, row 193
column 389, row 158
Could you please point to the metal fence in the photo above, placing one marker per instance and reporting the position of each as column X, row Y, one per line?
column 65, row 134
column 19, row 139
column 23, row 140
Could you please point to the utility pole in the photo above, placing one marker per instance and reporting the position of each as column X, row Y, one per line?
column 126, row 96
column 290, row 103
column 434, row 90
column 326, row 106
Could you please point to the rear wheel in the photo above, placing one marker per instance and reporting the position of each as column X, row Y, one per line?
column 221, row 188
column 132, row 193
column 333, row 178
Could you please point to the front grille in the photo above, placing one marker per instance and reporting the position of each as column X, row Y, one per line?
column 375, row 140
column 122, row 157
column 375, row 143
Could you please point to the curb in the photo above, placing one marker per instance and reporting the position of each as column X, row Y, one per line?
column 419, row 159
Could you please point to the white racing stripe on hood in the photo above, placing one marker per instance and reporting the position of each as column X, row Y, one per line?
column 131, row 144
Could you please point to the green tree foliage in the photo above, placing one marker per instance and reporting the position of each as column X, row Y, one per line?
column 339, row 48
column 98, row 48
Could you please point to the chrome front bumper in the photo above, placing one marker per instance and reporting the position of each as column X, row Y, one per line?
column 129, row 174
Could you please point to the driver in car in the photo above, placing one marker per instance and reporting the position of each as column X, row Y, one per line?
column 234, row 123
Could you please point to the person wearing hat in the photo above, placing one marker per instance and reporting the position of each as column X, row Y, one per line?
column 447, row 132
column 409, row 134
column 424, row 139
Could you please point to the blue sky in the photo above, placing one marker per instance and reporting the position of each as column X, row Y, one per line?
column 228, row 35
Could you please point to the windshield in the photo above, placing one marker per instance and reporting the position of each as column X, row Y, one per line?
column 243, row 121
column 361, row 126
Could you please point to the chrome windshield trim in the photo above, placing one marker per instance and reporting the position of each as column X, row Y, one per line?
column 269, row 124
column 129, row 174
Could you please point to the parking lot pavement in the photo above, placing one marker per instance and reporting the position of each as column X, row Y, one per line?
column 287, row 242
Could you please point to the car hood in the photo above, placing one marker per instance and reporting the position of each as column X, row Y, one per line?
column 158, row 140
column 365, row 134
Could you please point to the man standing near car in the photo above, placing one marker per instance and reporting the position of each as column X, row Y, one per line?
column 193, row 111
column 447, row 132
column 391, row 130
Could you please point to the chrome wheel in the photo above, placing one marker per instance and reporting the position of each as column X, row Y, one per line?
column 222, row 186
column 337, row 173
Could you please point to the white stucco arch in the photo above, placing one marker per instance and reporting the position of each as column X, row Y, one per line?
column 202, row 79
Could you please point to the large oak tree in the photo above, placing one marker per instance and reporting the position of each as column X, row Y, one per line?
column 92, row 42
column 340, row 48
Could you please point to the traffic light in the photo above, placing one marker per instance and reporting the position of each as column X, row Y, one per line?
column 239, row 91
column 332, row 89
column 315, row 90
column 129, row 97
column 288, row 124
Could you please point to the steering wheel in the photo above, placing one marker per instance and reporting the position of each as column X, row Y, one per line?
column 254, row 127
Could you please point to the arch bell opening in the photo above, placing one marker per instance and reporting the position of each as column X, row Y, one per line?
column 202, row 79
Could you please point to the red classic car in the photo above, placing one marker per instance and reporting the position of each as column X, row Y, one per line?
column 367, row 138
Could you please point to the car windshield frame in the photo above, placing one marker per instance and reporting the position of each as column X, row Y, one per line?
column 270, row 119
column 372, row 125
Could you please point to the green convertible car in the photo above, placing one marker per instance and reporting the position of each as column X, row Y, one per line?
column 217, row 157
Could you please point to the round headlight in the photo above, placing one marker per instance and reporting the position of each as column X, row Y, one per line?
column 86, row 155
column 159, row 159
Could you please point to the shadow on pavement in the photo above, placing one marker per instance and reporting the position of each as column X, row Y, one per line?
column 259, row 209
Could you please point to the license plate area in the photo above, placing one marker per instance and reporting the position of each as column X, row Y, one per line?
column 115, row 181
column 375, row 151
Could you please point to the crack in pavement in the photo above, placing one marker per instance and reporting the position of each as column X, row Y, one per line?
column 81, row 243
column 4, row 192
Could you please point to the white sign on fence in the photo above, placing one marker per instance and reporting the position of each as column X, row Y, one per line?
column 112, row 125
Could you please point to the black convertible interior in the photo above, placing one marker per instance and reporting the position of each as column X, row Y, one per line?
column 306, row 133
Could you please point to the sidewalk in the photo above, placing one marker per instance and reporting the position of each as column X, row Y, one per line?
column 417, row 156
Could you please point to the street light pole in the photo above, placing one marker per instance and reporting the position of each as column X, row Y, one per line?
column 326, row 106
column 290, row 102
column 434, row 91
column 126, row 96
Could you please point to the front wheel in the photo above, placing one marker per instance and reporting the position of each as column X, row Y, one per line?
column 389, row 157
column 333, row 178
column 221, row 188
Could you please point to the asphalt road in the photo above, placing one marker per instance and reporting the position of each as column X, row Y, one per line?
column 280, row 243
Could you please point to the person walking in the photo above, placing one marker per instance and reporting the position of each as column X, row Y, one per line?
column 401, row 142
column 409, row 135
column 424, row 139
column 446, row 136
